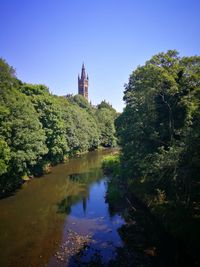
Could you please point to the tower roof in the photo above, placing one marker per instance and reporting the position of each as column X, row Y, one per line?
column 83, row 73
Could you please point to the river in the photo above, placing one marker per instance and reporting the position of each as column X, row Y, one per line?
column 54, row 217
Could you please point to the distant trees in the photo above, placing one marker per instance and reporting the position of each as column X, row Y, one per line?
column 38, row 129
column 105, row 116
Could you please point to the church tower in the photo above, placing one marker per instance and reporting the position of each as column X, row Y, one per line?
column 83, row 83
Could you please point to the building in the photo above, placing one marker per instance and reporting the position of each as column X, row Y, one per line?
column 83, row 83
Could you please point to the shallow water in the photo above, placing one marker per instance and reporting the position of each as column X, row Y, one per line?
column 50, row 219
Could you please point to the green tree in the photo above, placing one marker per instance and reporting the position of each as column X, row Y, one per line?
column 157, row 126
column 23, row 139
column 50, row 115
column 159, row 132
column 4, row 156
column 81, row 128
column 106, row 116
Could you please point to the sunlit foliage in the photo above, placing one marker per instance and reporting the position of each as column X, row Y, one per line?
column 38, row 129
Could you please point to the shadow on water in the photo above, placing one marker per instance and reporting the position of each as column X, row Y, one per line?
column 104, row 250
column 143, row 240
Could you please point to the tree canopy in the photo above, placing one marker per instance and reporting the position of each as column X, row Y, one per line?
column 38, row 129
column 159, row 132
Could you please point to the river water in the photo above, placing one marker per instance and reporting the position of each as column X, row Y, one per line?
column 60, row 219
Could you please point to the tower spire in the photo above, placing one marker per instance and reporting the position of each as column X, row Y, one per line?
column 83, row 83
column 83, row 74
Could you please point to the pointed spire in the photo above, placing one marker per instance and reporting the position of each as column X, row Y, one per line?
column 83, row 74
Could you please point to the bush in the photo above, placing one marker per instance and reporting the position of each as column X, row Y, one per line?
column 111, row 164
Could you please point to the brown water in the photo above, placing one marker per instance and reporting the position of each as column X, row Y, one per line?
column 38, row 219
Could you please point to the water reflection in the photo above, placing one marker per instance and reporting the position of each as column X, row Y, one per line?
column 89, row 216
column 83, row 181
column 33, row 223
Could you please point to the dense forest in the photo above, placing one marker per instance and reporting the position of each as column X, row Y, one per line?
column 38, row 129
column 159, row 134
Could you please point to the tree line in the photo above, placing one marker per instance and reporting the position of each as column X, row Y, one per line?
column 159, row 133
column 38, row 129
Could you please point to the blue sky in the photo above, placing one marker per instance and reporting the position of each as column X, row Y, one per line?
column 47, row 40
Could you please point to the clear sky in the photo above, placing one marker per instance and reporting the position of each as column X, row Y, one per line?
column 47, row 40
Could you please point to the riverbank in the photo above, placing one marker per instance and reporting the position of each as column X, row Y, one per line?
column 175, row 231
column 11, row 189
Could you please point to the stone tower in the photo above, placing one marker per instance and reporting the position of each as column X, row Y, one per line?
column 83, row 83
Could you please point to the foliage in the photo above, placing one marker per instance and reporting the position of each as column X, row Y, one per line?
column 111, row 164
column 80, row 101
column 105, row 116
column 4, row 156
column 157, row 127
column 21, row 131
column 38, row 129
column 106, row 105
column 81, row 129
column 49, row 111
column 159, row 133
